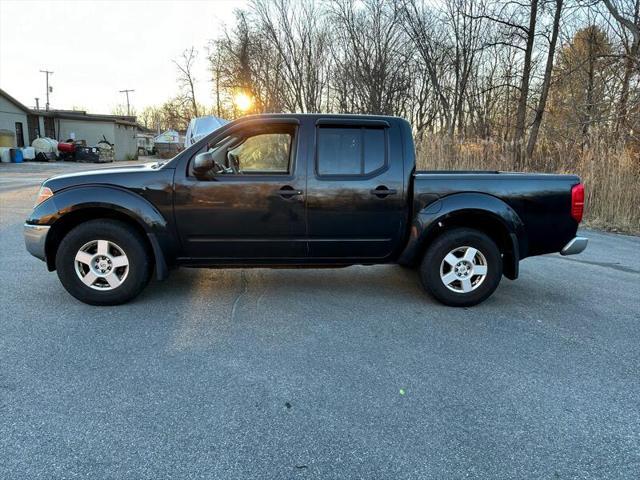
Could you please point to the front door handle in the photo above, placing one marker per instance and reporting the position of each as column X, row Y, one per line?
column 288, row 192
column 382, row 191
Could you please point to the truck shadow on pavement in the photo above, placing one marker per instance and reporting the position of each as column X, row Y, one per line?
column 364, row 287
column 388, row 281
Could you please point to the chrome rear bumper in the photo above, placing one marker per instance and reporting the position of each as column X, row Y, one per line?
column 577, row 245
column 35, row 237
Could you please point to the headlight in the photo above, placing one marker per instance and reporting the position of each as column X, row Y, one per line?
column 43, row 194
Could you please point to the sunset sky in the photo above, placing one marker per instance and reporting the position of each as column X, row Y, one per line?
column 97, row 48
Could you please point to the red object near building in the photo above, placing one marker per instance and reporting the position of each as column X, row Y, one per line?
column 64, row 147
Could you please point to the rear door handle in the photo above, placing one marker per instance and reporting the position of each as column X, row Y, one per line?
column 288, row 192
column 381, row 191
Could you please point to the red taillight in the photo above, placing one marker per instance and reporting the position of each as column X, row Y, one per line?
column 577, row 202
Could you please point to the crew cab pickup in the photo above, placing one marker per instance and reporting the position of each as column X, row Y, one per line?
column 300, row 190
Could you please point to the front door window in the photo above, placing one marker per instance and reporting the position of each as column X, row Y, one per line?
column 253, row 153
column 265, row 153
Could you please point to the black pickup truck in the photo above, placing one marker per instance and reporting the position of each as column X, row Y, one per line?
column 300, row 190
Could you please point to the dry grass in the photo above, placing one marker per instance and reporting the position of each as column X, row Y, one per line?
column 611, row 173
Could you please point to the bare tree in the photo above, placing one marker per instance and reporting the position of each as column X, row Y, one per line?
column 522, row 73
column 422, row 28
column 530, row 32
column 297, row 32
column 629, row 22
column 627, row 14
column 370, row 58
column 216, row 66
column 546, row 83
column 186, row 77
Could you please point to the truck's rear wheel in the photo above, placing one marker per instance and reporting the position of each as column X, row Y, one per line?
column 103, row 262
column 462, row 267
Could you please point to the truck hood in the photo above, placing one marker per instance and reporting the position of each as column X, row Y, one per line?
column 108, row 176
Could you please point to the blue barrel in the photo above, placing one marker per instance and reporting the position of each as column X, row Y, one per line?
column 15, row 154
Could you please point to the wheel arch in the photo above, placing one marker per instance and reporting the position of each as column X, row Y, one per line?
column 72, row 208
column 482, row 212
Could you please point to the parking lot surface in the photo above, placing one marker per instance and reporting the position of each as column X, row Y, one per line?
column 333, row 373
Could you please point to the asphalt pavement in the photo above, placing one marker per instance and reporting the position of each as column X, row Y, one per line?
column 319, row 374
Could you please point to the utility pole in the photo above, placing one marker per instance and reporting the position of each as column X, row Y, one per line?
column 49, row 89
column 126, row 92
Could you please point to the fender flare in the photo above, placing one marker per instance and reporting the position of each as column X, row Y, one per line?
column 74, row 200
column 430, row 220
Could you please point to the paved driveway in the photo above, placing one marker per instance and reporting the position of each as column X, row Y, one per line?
column 347, row 373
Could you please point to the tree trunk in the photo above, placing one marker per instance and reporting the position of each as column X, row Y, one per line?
column 586, row 124
column 630, row 62
column 193, row 99
column 521, row 113
column 542, row 102
column 218, row 112
column 627, row 23
column 621, row 121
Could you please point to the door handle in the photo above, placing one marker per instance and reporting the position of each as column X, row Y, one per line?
column 288, row 192
column 382, row 191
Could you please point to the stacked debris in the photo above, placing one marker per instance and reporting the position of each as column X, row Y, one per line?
column 46, row 149
column 107, row 152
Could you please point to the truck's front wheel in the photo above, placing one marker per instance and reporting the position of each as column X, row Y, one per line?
column 103, row 262
column 462, row 267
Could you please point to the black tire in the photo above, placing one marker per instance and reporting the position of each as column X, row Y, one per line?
column 120, row 239
column 434, row 268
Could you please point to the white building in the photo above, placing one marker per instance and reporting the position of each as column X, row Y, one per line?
column 14, row 117
column 29, row 124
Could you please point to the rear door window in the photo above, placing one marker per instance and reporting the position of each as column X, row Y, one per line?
column 350, row 151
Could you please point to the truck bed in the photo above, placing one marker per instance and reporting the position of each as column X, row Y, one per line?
column 542, row 201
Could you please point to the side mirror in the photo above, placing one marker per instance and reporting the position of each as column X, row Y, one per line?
column 203, row 163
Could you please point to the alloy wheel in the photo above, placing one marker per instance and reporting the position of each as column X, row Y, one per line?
column 463, row 269
column 101, row 265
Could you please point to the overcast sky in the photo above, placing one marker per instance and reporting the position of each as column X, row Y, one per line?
column 97, row 48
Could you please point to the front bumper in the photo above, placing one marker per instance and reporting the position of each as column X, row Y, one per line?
column 35, row 238
column 576, row 245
